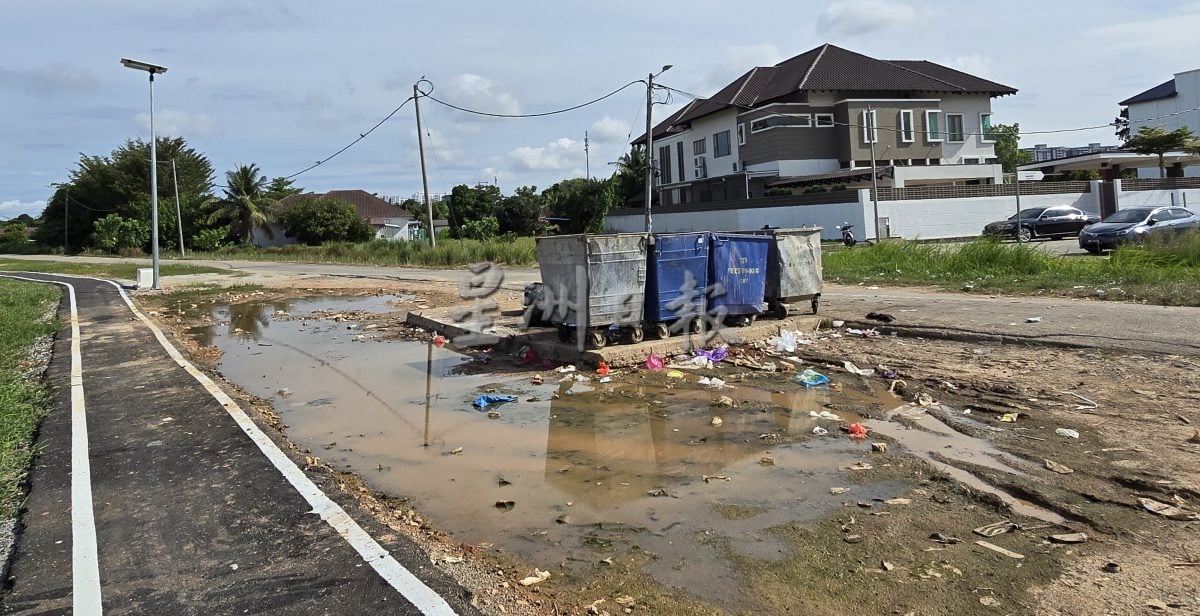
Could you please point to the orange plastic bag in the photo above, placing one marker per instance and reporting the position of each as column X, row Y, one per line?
column 857, row 431
column 602, row 369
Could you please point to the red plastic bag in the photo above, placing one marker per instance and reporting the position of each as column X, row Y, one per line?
column 439, row 341
column 857, row 431
column 602, row 369
column 654, row 362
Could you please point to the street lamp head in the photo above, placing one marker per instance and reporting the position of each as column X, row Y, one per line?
column 666, row 67
column 138, row 65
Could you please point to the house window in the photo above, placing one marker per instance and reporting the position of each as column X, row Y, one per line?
column 933, row 125
column 741, row 130
column 679, row 156
column 721, row 145
column 906, row 126
column 954, row 128
column 824, row 120
column 699, row 146
column 664, row 164
column 985, row 128
column 870, row 129
column 771, row 121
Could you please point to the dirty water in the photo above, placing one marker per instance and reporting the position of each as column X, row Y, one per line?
column 591, row 469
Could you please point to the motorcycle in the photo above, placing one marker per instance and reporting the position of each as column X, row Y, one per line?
column 848, row 235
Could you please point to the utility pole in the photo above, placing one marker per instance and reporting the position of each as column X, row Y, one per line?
column 153, row 190
column 870, row 124
column 178, row 215
column 649, row 150
column 587, row 157
column 66, row 221
column 424, row 176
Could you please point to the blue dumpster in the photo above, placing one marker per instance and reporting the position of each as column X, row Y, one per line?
column 738, row 263
column 676, row 275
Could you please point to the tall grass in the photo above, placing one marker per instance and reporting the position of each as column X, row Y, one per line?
column 1161, row 271
column 23, row 401
column 449, row 253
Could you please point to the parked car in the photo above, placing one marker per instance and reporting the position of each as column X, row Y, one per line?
column 1134, row 225
column 1053, row 222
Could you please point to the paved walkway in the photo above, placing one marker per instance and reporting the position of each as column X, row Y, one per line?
column 194, row 510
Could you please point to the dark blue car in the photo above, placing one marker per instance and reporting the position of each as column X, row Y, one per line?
column 1135, row 224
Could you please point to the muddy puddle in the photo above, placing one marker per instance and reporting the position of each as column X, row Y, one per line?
column 590, row 469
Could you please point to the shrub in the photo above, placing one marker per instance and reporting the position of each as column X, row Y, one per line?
column 211, row 239
column 114, row 234
column 484, row 228
column 320, row 220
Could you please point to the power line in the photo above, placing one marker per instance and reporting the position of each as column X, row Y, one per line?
column 430, row 96
column 352, row 143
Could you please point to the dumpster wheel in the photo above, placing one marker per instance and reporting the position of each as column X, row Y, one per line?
column 598, row 338
column 816, row 301
column 662, row 331
column 779, row 310
column 636, row 334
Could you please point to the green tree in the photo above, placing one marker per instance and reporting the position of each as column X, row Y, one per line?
column 15, row 232
column 521, row 212
column 120, row 183
column 318, row 220
column 210, row 239
column 481, row 229
column 630, row 176
column 1158, row 141
column 120, row 235
column 245, row 204
column 467, row 204
column 416, row 209
column 282, row 187
column 1008, row 146
column 583, row 202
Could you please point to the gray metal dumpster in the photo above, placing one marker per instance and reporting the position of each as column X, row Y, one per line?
column 594, row 285
column 793, row 268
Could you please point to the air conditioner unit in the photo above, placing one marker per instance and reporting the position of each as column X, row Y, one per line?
column 698, row 162
column 701, row 172
column 735, row 165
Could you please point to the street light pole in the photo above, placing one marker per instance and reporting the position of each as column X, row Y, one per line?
column 650, row 145
column 870, row 123
column 152, row 69
column 424, row 176
column 178, row 215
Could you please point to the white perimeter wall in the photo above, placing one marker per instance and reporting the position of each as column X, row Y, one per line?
column 944, row 218
column 828, row 216
column 1158, row 198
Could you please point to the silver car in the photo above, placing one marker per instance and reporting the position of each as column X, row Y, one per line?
column 1136, row 224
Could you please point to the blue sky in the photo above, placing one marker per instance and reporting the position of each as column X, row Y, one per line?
column 285, row 83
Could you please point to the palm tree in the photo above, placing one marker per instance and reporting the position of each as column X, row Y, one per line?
column 245, row 204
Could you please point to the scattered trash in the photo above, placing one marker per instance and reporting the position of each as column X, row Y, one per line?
column 1067, row 432
column 897, row 384
column 1058, row 468
column 999, row 550
column 567, row 368
column 285, row 392
column 836, row 491
column 593, row 609
column 439, row 341
column 457, row 451
column 674, row 374
column 538, row 577
column 1171, row 512
column 657, row 492
column 505, row 505
column 537, row 379
column 708, row 478
column 924, row 399
column 625, row 601
column 860, row 466
column 713, row 382
column 1033, row 320
column 852, row 369
column 501, row 481
column 766, row 461
column 898, row 501
column 989, row 601
column 1195, row 438
column 1111, row 568
column 879, row 447
column 1069, row 538
column 485, row 400
column 886, row 566
column 606, row 379
column 852, row 539
column 857, row 431
column 838, row 324
column 811, row 378
column 888, row 373
column 945, row 539
column 1156, row 604
column 527, row 355
column 994, row 529
column 563, row 519
column 787, row 341
column 1009, row 417
column 493, row 415
column 881, row 316
column 824, row 415
column 582, row 378
column 865, row 333
column 716, row 355
column 716, row 421
column 819, row 431
column 602, row 369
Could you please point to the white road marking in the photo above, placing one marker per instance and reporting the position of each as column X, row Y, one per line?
column 85, row 564
column 410, row 586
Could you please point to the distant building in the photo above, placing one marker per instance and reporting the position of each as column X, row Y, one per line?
column 1042, row 152
column 1172, row 104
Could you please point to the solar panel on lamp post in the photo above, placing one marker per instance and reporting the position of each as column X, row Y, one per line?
column 152, row 69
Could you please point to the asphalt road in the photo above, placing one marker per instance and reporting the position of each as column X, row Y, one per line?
column 188, row 508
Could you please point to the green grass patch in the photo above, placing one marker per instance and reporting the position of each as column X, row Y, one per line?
column 24, row 307
column 449, row 253
column 1159, row 272
column 105, row 270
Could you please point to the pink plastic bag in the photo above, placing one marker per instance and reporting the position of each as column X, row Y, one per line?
column 654, row 362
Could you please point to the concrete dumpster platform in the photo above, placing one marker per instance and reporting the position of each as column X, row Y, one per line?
column 544, row 340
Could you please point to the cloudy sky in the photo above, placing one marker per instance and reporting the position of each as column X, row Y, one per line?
column 285, row 83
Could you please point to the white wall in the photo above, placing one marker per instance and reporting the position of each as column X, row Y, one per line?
column 944, row 218
column 260, row 239
column 703, row 128
column 943, row 174
column 974, row 146
column 1187, row 88
column 1158, row 198
column 828, row 216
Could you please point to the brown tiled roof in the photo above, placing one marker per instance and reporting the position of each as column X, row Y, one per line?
column 831, row 68
column 369, row 206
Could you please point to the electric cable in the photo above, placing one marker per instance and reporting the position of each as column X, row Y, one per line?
column 361, row 136
column 429, row 95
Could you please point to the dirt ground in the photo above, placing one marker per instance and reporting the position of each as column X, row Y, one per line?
column 1137, row 420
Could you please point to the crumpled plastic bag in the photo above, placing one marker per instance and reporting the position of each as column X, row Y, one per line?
column 857, row 431
column 654, row 362
column 811, row 378
column 482, row 402
column 716, row 355
column 853, row 369
column 787, row 341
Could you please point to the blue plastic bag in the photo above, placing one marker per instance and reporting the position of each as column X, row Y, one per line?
column 811, row 378
column 483, row 401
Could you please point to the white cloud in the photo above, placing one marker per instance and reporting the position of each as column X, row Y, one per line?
column 49, row 79
column 1175, row 33
column 15, row 207
column 557, row 155
column 858, row 17
column 444, row 147
column 481, row 94
column 609, row 130
column 975, row 64
column 734, row 61
column 175, row 123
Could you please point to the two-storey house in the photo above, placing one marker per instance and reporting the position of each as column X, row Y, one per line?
column 815, row 118
column 1171, row 105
